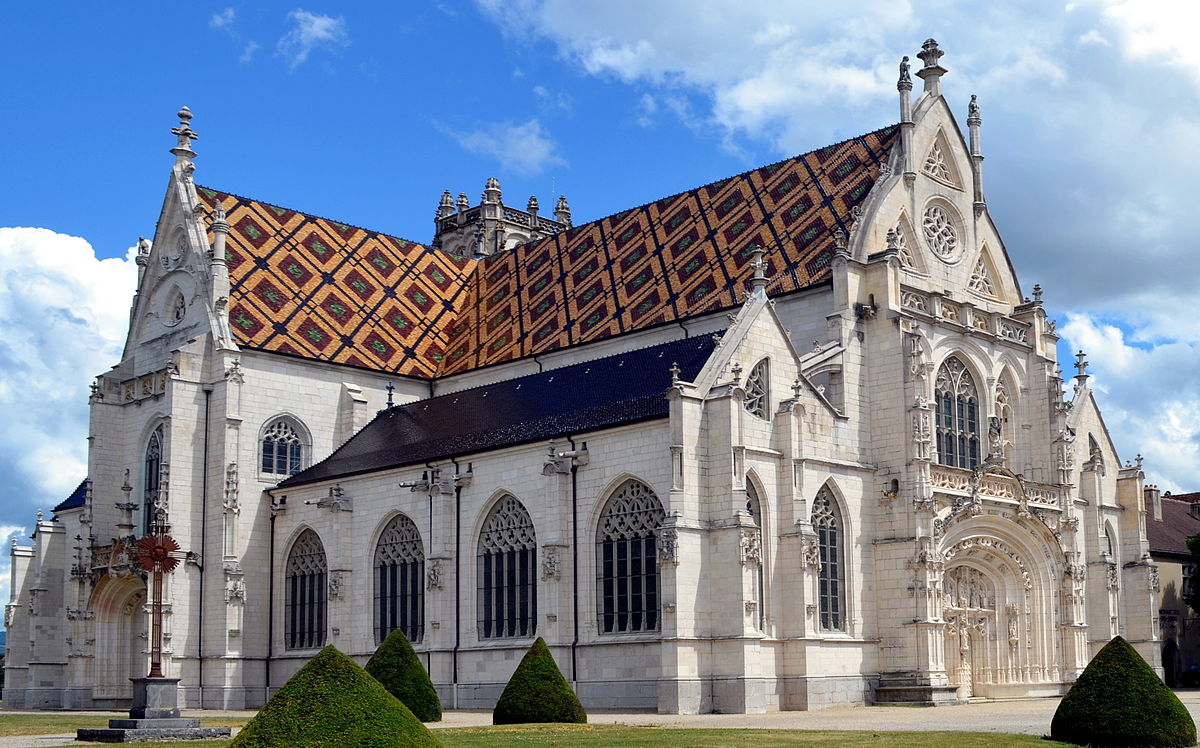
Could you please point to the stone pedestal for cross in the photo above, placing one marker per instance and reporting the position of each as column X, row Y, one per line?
column 154, row 716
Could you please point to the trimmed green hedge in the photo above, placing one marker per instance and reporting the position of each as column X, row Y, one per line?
column 397, row 667
column 538, row 692
column 332, row 701
column 1119, row 701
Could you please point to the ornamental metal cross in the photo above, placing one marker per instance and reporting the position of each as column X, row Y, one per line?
column 158, row 554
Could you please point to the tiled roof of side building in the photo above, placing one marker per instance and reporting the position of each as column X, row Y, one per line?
column 75, row 500
column 621, row 389
column 319, row 289
column 1178, row 524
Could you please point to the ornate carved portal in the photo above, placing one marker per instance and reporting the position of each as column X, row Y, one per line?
column 969, row 608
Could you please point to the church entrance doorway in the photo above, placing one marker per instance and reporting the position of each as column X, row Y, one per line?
column 122, row 629
column 970, row 612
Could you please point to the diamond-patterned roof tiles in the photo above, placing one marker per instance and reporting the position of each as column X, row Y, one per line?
column 319, row 289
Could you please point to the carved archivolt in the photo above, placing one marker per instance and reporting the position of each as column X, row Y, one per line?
column 992, row 545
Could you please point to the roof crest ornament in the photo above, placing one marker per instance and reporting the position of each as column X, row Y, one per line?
column 184, row 135
column 932, row 72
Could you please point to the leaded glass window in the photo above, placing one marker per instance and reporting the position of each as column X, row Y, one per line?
column 827, row 522
column 282, row 448
column 151, row 478
column 507, row 573
column 754, row 509
column 758, row 390
column 399, row 576
column 957, row 415
column 305, row 593
column 626, row 560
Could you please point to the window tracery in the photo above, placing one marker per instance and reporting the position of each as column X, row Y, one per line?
column 399, row 574
column 940, row 233
column 906, row 254
column 282, row 448
column 507, row 572
column 758, row 390
column 626, row 560
column 957, row 415
column 935, row 164
column 305, row 593
column 151, row 478
column 827, row 523
column 981, row 279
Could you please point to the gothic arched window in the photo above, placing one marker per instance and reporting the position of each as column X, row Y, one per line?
column 627, row 561
column 758, row 390
column 831, row 577
column 399, row 577
column 754, row 509
column 304, row 593
column 957, row 415
column 282, row 448
column 151, row 478
column 507, row 572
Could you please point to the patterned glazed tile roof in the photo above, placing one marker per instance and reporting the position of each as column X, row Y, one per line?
column 316, row 288
column 610, row 391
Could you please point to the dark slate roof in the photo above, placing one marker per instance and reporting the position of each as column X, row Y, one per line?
column 1178, row 524
column 75, row 500
column 610, row 391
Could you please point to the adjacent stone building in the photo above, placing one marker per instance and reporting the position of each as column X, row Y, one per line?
column 791, row 439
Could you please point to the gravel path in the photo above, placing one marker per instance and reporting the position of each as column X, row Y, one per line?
column 1029, row 716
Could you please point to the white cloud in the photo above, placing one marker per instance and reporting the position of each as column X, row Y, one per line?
column 311, row 31
column 1093, row 37
column 248, row 52
column 64, row 313
column 1156, row 31
column 223, row 19
column 522, row 149
column 1148, row 394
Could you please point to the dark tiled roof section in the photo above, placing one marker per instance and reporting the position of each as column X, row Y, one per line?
column 1178, row 524
column 681, row 256
column 1192, row 497
column 75, row 500
column 606, row 392
column 324, row 290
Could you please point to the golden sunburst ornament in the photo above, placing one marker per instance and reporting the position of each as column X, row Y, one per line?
column 154, row 553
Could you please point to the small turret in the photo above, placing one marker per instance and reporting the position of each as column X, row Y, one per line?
column 491, row 191
column 531, row 207
column 933, row 71
column 463, row 203
column 491, row 226
column 445, row 205
column 562, row 211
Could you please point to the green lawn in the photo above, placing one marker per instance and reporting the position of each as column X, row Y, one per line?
column 594, row 735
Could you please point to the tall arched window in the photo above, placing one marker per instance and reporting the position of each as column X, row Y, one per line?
column 399, row 573
column 626, row 560
column 957, row 415
column 758, row 390
column 507, row 572
column 754, row 509
column 282, row 448
column 304, row 593
column 151, row 478
column 831, row 577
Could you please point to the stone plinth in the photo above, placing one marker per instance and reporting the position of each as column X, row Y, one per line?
column 154, row 717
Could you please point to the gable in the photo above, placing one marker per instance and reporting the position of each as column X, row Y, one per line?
column 306, row 286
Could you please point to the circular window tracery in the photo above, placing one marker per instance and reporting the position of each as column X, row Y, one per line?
column 940, row 233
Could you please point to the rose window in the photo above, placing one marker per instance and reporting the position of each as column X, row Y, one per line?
column 940, row 232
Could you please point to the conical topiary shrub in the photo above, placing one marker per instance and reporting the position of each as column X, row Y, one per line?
column 397, row 667
column 1119, row 701
column 332, row 701
column 538, row 692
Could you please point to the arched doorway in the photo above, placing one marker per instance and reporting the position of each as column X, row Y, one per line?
column 122, row 628
column 1170, row 663
column 969, row 609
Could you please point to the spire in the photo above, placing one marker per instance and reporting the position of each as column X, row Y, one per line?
column 973, row 123
column 185, row 135
column 562, row 211
column 933, row 71
column 445, row 205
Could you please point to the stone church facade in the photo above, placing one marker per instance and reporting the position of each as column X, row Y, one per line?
column 792, row 439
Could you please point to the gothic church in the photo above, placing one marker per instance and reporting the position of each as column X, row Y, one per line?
column 788, row 440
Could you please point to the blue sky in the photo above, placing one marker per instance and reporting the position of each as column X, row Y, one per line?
column 365, row 112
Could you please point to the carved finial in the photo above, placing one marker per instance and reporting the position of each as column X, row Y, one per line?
column 184, row 135
column 1138, row 460
column 219, row 224
column 532, row 206
column 390, row 389
column 759, row 280
column 562, row 211
column 491, row 190
column 1081, row 364
column 446, row 204
column 796, row 388
column 905, row 82
column 736, row 370
column 973, row 117
column 39, row 514
column 893, row 240
column 1037, row 293
column 839, row 243
column 933, row 71
column 463, row 202
column 675, row 373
